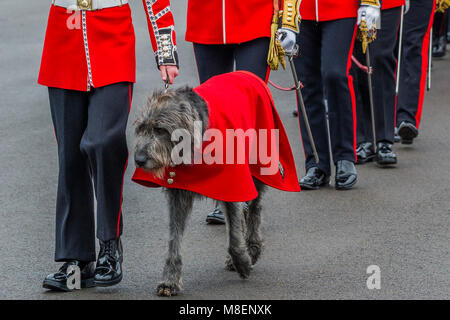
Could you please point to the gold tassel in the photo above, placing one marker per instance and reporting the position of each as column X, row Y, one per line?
column 365, row 35
column 276, row 51
column 442, row 5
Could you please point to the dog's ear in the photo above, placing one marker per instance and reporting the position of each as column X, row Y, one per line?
column 185, row 108
column 183, row 90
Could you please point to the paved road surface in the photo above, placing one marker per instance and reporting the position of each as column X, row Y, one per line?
column 318, row 244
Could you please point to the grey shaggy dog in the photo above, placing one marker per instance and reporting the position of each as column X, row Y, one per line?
column 164, row 113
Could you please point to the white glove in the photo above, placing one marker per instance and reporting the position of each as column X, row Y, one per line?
column 287, row 38
column 372, row 16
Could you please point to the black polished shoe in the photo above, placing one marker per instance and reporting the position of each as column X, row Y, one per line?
column 396, row 136
column 385, row 155
column 58, row 281
column 345, row 175
column 407, row 132
column 365, row 152
column 439, row 47
column 215, row 217
column 314, row 179
column 108, row 271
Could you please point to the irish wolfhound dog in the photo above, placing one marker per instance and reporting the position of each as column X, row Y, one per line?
column 164, row 113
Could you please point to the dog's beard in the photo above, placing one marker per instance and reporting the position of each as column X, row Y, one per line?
column 160, row 161
column 158, row 172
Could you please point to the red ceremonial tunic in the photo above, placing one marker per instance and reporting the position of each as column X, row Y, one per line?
column 237, row 100
column 86, row 49
column 228, row 21
column 388, row 4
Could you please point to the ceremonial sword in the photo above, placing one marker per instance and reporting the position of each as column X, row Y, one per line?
column 364, row 38
column 372, row 112
column 297, row 84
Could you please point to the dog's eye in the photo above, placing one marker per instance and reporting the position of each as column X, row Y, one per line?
column 159, row 130
column 140, row 128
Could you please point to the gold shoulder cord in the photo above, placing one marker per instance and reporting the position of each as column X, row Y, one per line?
column 375, row 3
column 291, row 15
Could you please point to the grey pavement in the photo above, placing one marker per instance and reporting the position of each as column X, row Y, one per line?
column 317, row 244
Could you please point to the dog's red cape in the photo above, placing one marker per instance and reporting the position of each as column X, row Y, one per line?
column 237, row 100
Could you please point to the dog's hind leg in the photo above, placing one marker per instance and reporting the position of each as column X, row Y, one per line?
column 228, row 262
column 253, row 236
column 236, row 242
column 180, row 206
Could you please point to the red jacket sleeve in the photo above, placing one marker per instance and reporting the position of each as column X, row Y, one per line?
column 162, row 32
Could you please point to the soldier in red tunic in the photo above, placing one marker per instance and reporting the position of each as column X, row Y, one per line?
column 383, row 87
column 88, row 64
column 327, row 33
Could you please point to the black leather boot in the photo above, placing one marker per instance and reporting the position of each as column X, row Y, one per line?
column 345, row 175
column 215, row 217
column 385, row 155
column 58, row 281
column 108, row 271
column 365, row 152
column 440, row 47
column 407, row 132
column 314, row 179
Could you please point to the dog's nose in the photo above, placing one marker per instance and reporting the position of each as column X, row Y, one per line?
column 140, row 159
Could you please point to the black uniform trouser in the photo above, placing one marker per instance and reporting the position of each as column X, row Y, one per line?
column 323, row 67
column 414, row 63
column 92, row 152
column 383, row 81
column 215, row 59
column 440, row 25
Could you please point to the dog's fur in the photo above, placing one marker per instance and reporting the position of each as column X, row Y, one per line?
column 163, row 113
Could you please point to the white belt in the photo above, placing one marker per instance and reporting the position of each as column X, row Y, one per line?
column 88, row 4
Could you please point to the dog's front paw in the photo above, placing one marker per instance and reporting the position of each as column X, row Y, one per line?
column 229, row 264
column 254, row 250
column 167, row 289
column 243, row 265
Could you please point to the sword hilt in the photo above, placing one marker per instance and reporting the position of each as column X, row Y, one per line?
column 294, row 52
